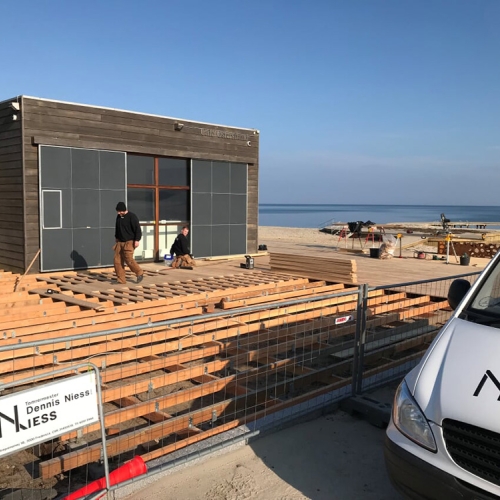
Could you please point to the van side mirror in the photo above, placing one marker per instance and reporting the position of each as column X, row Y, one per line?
column 457, row 292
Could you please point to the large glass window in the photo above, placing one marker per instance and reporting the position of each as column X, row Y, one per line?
column 146, row 248
column 141, row 202
column 173, row 172
column 140, row 170
column 174, row 204
column 158, row 193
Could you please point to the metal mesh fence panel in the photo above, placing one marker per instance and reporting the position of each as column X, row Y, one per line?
column 400, row 327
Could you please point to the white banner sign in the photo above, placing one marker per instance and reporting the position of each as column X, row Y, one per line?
column 37, row 415
column 343, row 319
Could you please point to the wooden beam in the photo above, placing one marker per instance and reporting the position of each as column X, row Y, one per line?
column 54, row 295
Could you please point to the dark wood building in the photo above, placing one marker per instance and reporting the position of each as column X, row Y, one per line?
column 64, row 167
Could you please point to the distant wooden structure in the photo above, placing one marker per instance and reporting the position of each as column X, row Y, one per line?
column 471, row 248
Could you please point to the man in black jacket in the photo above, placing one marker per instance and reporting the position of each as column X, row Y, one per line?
column 128, row 233
column 180, row 248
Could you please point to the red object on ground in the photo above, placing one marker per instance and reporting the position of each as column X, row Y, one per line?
column 131, row 469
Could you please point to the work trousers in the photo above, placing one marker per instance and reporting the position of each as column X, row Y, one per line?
column 183, row 261
column 124, row 254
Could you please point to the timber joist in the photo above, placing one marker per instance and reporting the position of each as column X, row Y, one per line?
column 330, row 269
column 166, row 387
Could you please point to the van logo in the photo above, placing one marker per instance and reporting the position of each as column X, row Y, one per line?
column 486, row 376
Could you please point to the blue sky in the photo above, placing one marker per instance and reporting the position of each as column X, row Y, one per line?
column 357, row 101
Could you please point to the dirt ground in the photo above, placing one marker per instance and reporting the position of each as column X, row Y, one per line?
column 18, row 471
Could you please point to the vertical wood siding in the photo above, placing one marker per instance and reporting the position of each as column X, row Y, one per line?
column 11, row 191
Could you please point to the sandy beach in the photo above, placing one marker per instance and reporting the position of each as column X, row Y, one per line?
column 416, row 240
column 335, row 456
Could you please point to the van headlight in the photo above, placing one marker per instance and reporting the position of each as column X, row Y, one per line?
column 410, row 420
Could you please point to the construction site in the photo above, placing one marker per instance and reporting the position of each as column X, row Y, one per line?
column 192, row 354
column 103, row 383
column 475, row 239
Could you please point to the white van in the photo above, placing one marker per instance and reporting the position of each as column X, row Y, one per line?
column 443, row 441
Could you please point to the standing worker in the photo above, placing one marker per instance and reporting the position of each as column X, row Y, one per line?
column 180, row 248
column 128, row 233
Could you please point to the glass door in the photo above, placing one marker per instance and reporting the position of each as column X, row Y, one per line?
column 158, row 193
column 141, row 201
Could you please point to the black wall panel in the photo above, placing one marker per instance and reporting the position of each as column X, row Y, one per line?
column 221, row 181
column 86, row 209
column 86, row 247
column 237, row 239
column 201, row 176
column 220, row 240
column 111, row 171
column 52, row 209
column 106, row 243
column 237, row 209
column 201, row 241
column 56, row 167
column 201, row 209
column 218, row 202
column 57, row 246
column 84, row 168
column 91, row 183
column 238, row 178
column 107, row 205
column 56, row 202
column 67, row 208
column 220, row 209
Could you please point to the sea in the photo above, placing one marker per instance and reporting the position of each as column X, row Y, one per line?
column 318, row 216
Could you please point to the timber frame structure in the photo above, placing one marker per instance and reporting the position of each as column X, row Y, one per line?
column 28, row 124
column 237, row 348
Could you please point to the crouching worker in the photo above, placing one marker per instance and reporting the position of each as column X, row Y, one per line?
column 180, row 247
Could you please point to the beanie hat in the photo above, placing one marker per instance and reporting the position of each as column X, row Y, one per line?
column 121, row 207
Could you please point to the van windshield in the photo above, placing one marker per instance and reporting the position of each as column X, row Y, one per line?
column 487, row 297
